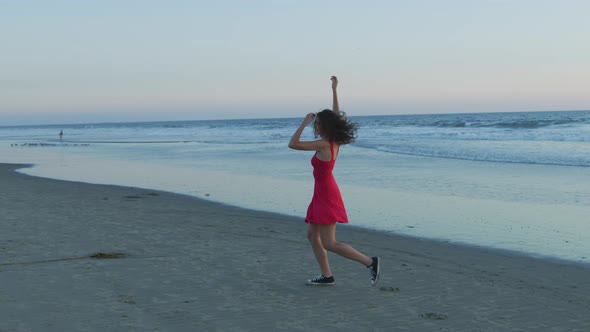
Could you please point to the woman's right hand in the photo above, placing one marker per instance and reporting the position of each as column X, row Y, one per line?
column 334, row 80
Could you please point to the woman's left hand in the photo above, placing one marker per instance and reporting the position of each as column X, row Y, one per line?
column 309, row 118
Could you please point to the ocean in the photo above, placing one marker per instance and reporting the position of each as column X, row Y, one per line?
column 513, row 181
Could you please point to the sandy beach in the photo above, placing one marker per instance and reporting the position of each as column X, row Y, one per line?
column 184, row 264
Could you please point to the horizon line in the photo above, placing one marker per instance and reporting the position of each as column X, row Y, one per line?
column 289, row 117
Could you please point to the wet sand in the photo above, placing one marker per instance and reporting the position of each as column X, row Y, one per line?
column 167, row 262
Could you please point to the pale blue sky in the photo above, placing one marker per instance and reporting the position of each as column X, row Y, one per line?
column 107, row 60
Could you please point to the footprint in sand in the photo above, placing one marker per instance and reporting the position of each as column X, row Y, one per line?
column 434, row 315
column 127, row 299
column 108, row 255
column 389, row 289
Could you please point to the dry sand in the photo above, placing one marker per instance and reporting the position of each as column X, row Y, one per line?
column 186, row 264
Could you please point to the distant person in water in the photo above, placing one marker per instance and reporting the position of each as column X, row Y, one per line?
column 61, row 134
column 326, row 207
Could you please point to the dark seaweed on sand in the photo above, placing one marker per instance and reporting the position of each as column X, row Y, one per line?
column 108, row 255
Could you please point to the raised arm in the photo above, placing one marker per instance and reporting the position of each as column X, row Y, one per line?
column 335, row 106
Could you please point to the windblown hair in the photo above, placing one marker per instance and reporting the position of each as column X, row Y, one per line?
column 334, row 127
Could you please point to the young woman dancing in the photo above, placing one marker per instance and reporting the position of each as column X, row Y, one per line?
column 326, row 207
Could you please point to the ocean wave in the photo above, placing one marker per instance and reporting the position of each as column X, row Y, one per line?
column 514, row 124
column 531, row 124
column 529, row 120
column 579, row 133
column 518, row 152
column 555, row 138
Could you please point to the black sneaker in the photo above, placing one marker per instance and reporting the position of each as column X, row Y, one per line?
column 374, row 271
column 321, row 281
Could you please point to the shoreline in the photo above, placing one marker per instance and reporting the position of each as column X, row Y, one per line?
column 442, row 241
column 192, row 263
column 534, row 209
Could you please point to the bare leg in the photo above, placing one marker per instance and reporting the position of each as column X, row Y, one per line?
column 314, row 238
column 328, row 241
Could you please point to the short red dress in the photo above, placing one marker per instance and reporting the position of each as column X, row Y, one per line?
column 326, row 206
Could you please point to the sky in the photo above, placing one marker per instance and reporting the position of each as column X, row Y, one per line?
column 143, row 60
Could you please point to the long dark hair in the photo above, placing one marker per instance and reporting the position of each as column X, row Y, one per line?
column 334, row 127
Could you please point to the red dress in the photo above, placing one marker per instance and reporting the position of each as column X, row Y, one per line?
column 326, row 206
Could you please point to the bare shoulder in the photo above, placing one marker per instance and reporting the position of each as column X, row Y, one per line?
column 323, row 144
column 323, row 151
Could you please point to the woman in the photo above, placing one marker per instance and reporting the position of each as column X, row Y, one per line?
column 326, row 207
